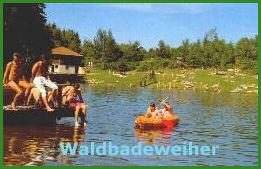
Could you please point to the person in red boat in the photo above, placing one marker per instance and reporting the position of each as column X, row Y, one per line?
column 153, row 111
column 168, row 110
column 169, row 119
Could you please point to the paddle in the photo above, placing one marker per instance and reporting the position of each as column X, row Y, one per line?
column 164, row 100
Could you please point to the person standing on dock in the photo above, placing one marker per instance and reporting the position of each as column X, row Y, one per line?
column 40, row 79
column 14, row 78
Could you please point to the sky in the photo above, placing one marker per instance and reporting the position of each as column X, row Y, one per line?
column 149, row 23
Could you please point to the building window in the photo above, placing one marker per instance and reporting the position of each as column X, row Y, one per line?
column 56, row 66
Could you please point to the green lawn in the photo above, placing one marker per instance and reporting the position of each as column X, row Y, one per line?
column 188, row 79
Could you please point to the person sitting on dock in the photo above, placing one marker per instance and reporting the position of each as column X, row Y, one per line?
column 75, row 101
column 65, row 92
column 36, row 95
column 41, row 79
column 14, row 78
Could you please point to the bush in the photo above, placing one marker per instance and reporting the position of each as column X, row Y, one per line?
column 132, row 65
column 248, row 64
column 146, row 65
column 122, row 67
column 155, row 64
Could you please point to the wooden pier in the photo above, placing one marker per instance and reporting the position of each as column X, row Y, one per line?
column 31, row 114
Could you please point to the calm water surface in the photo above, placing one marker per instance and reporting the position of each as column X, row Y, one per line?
column 230, row 121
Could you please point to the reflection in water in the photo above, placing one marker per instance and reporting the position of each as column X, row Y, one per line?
column 230, row 121
column 33, row 146
column 151, row 136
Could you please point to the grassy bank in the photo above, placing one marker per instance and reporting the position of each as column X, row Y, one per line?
column 187, row 79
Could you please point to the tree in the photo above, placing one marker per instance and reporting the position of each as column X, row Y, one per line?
column 183, row 50
column 66, row 38
column 25, row 29
column 194, row 58
column 56, row 35
column 210, row 36
column 246, row 53
column 88, row 50
column 106, row 49
column 163, row 50
column 132, row 52
column 247, row 48
column 72, row 40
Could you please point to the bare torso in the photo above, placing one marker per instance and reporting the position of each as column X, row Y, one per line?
column 154, row 114
column 168, row 111
column 15, row 72
column 40, row 68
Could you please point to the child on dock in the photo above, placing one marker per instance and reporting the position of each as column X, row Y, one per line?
column 72, row 98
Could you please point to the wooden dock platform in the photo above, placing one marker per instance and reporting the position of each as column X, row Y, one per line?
column 31, row 115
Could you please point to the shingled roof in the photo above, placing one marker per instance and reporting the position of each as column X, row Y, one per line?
column 64, row 51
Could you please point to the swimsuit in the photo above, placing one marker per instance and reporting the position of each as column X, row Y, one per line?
column 74, row 103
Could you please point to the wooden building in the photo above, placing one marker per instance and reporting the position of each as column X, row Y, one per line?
column 66, row 61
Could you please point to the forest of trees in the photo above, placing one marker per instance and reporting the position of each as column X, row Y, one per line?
column 26, row 28
column 208, row 52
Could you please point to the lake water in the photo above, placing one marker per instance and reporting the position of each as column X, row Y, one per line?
column 230, row 121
